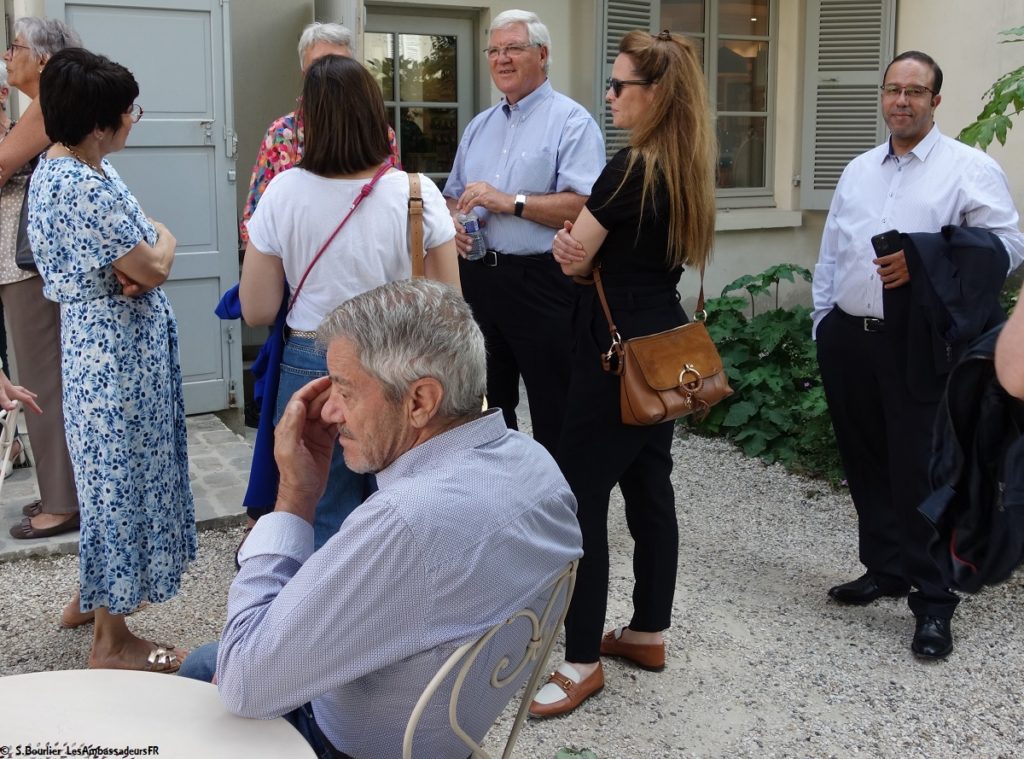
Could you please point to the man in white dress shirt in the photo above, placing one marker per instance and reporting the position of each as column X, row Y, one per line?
column 917, row 181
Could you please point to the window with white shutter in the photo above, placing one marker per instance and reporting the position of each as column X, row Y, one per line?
column 849, row 43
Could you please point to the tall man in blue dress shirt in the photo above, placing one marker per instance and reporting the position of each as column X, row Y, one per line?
column 917, row 181
column 471, row 523
column 524, row 166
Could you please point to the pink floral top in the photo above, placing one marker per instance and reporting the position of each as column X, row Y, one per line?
column 280, row 150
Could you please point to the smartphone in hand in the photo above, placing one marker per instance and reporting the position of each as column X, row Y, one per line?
column 886, row 243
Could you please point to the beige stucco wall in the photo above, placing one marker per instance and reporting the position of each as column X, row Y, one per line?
column 265, row 71
column 964, row 40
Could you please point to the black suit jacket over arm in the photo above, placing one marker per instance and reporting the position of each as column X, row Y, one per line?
column 953, row 296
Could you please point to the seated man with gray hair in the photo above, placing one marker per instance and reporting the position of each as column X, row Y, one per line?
column 471, row 523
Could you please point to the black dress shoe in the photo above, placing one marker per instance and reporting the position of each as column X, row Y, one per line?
column 865, row 589
column 933, row 638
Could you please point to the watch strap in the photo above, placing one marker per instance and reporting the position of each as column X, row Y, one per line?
column 520, row 204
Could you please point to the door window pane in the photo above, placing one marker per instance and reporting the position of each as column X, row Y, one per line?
column 429, row 138
column 427, row 68
column 380, row 60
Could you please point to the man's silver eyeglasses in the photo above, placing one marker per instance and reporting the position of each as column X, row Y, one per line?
column 512, row 51
column 913, row 91
column 135, row 112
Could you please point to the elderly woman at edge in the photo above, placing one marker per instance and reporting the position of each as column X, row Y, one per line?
column 34, row 321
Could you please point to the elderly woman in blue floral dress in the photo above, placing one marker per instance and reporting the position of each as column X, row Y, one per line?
column 103, row 261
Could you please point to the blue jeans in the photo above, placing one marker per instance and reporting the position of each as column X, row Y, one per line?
column 301, row 363
column 201, row 664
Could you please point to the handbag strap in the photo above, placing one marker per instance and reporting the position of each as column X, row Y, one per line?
column 615, row 349
column 415, row 225
column 366, row 190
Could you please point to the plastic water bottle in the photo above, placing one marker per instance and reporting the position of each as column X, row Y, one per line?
column 471, row 224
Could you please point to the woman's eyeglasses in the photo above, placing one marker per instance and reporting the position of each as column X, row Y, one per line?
column 616, row 85
column 135, row 112
column 14, row 46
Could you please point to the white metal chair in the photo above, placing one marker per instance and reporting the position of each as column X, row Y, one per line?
column 544, row 630
column 9, row 425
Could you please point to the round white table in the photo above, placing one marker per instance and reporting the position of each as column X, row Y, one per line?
column 148, row 714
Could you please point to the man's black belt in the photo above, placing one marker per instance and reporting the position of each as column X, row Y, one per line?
column 493, row 257
column 867, row 323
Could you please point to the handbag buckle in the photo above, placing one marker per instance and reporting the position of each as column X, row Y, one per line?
column 692, row 385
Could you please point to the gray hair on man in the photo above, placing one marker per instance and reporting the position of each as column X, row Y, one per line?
column 331, row 33
column 538, row 33
column 410, row 329
column 46, row 36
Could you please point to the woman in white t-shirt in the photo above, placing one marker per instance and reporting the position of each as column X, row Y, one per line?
column 346, row 145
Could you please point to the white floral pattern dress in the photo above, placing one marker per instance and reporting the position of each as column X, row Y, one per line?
column 123, row 401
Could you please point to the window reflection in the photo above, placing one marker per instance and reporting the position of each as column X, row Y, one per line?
column 741, row 142
column 428, row 138
column 748, row 18
column 742, row 76
column 683, row 15
column 427, row 71
column 380, row 60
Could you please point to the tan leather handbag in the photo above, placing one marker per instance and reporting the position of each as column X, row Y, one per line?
column 667, row 375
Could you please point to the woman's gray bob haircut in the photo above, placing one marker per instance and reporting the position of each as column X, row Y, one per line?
column 332, row 34
column 410, row 329
column 535, row 29
column 46, row 36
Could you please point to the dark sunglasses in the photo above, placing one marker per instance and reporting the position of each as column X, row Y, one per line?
column 616, row 85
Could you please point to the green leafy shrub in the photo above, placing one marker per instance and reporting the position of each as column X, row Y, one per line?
column 778, row 410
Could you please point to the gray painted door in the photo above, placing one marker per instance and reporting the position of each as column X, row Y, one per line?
column 180, row 164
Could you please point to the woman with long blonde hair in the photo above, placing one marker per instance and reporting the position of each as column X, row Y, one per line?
column 651, row 212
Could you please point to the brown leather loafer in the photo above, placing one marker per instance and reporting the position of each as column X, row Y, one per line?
column 575, row 693
column 649, row 656
column 25, row 531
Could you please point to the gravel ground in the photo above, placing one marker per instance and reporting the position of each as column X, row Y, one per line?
column 760, row 663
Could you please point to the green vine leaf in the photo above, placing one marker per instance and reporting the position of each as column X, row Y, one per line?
column 1003, row 101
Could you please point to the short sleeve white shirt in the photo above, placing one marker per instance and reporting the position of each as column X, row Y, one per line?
column 298, row 212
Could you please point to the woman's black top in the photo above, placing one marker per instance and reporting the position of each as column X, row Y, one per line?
column 634, row 252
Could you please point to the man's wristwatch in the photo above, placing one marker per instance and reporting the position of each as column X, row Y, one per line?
column 520, row 204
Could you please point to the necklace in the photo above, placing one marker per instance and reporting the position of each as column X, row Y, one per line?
column 77, row 156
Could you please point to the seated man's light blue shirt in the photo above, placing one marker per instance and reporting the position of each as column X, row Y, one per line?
column 465, row 530
column 544, row 143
